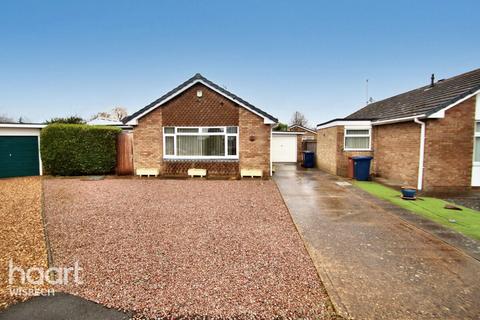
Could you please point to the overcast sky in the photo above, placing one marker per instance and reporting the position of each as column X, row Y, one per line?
column 59, row 58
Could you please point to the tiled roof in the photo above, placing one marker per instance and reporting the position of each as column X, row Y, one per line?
column 425, row 100
column 196, row 78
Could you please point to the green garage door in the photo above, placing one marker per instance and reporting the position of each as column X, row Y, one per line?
column 18, row 156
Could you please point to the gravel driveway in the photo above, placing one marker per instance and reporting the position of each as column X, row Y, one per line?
column 21, row 234
column 184, row 248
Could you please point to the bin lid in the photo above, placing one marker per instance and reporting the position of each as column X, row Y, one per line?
column 362, row 158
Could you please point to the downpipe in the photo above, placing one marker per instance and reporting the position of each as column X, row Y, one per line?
column 422, row 153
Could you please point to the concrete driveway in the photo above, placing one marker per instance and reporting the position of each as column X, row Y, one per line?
column 374, row 264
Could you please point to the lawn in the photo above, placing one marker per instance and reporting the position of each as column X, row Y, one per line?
column 184, row 248
column 467, row 221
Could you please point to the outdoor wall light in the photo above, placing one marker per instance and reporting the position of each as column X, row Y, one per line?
column 199, row 93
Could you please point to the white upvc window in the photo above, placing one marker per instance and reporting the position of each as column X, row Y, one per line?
column 358, row 138
column 200, row 142
column 476, row 148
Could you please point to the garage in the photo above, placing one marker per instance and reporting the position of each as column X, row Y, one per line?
column 284, row 146
column 19, row 150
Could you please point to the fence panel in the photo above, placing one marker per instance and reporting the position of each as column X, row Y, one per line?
column 125, row 153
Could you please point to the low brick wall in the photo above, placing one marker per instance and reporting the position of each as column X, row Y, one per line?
column 214, row 168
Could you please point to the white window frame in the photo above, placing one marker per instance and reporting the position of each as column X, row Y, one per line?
column 200, row 133
column 475, row 136
column 369, row 136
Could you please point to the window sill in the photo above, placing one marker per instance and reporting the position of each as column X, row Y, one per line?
column 359, row 150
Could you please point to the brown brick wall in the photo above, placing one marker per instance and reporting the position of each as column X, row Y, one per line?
column 342, row 156
column 396, row 152
column 254, row 154
column 210, row 110
column 330, row 154
column 326, row 157
column 148, row 141
column 449, row 149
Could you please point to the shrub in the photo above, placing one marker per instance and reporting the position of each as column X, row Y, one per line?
column 78, row 149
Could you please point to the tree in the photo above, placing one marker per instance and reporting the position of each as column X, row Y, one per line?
column 23, row 119
column 299, row 119
column 67, row 120
column 117, row 113
column 281, row 127
column 5, row 119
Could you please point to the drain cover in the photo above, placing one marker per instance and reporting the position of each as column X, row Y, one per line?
column 343, row 183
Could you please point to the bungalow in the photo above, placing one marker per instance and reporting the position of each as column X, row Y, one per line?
column 201, row 125
column 427, row 137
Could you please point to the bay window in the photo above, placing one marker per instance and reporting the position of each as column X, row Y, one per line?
column 200, row 142
column 357, row 139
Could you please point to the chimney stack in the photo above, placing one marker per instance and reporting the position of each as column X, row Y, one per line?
column 433, row 80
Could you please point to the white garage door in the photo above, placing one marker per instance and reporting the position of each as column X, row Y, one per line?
column 284, row 148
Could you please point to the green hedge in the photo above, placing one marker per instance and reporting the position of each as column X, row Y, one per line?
column 78, row 149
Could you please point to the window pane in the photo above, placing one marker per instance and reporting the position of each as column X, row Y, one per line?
column 201, row 145
column 231, row 129
column 212, row 130
column 187, row 130
column 357, row 142
column 477, row 149
column 169, row 130
column 357, row 131
column 232, row 146
column 477, row 127
column 214, row 146
column 189, row 146
column 169, row 145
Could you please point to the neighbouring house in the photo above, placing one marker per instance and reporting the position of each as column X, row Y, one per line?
column 305, row 141
column 201, row 125
column 108, row 122
column 427, row 137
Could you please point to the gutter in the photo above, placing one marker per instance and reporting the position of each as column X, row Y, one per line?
column 395, row 120
column 422, row 153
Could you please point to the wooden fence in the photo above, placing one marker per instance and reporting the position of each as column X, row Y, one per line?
column 125, row 153
column 309, row 145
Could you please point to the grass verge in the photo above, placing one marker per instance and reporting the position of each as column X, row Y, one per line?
column 467, row 221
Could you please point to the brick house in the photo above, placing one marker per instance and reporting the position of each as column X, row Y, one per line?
column 427, row 137
column 201, row 125
column 308, row 135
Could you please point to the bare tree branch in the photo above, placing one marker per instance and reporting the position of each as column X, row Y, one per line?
column 299, row 119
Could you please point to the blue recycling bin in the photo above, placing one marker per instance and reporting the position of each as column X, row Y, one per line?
column 362, row 167
column 308, row 159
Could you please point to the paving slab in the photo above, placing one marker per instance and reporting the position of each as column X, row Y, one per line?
column 374, row 264
column 60, row 306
